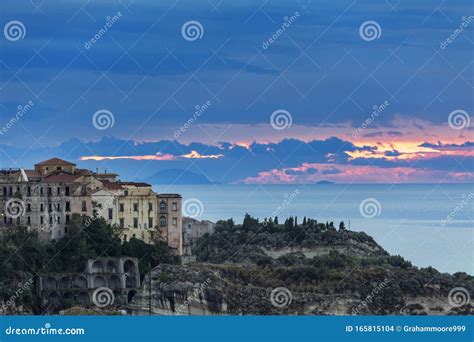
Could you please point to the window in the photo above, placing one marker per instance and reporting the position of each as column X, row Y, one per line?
column 59, row 168
column 111, row 213
column 50, row 207
column 59, row 219
column 28, row 220
column 28, row 207
column 58, row 207
column 67, row 218
column 65, row 230
column 50, row 191
column 58, row 191
column 41, row 207
column 135, row 206
column 68, row 206
column 150, row 206
column 135, row 223
column 67, row 191
column 50, row 220
column 162, row 206
column 163, row 221
column 122, row 223
column 175, row 206
column 150, row 222
column 41, row 220
column 84, row 206
column 121, row 207
column 5, row 191
column 28, row 191
column 84, row 190
column 175, row 221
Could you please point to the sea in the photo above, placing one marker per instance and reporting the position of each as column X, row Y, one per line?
column 427, row 224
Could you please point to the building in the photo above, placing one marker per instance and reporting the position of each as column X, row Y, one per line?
column 192, row 230
column 104, row 282
column 45, row 198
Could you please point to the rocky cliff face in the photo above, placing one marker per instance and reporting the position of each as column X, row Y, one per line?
column 205, row 289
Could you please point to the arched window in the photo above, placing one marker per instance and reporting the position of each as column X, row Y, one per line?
column 163, row 206
column 162, row 220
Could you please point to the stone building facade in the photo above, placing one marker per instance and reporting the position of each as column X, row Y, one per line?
column 45, row 198
column 192, row 230
column 104, row 282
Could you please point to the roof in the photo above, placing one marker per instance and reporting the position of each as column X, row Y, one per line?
column 61, row 178
column 32, row 173
column 135, row 184
column 111, row 185
column 55, row 161
column 169, row 195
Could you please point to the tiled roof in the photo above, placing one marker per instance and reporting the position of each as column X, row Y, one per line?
column 136, row 184
column 54, row 161
column 111, row 185
column 61, row 178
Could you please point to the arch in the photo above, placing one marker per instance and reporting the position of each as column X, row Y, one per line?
column 53, row 298
column 65, row 283
column 68, row 298
column 97, row 267
column 80, row 282
column 163, row 206
column 129, row 266
column 112, row 266
column 99, row 281
column 162, row 220
column 83, row 298
column 50, row 283
column 130, row 296
column 114, row 282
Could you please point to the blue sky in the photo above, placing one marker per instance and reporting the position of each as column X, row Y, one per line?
column 319, row 70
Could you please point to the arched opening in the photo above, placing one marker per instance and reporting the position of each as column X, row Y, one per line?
column 130, row 281
column 129, row 267
column 83, row 298
column 97, row 267
column 130, row 296
column 99, row 281
column 53, row 299
column 65, row 283
column 112, row 266
column 114, row 282
column 50, row 283
column 80, row 282
column 162, row 220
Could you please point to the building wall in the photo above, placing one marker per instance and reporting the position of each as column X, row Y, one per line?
column 172, row 229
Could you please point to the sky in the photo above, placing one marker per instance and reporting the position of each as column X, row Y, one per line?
column 241, row 92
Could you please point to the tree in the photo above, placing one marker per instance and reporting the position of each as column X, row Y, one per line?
column 342, row 226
